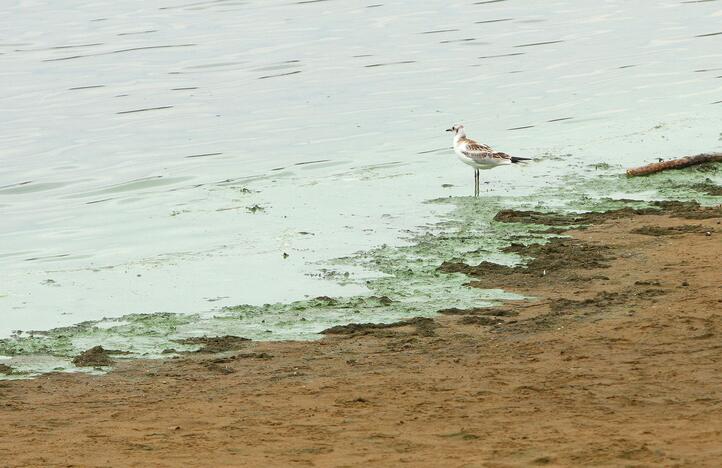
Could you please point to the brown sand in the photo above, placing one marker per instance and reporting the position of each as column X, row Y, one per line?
column 618, row 363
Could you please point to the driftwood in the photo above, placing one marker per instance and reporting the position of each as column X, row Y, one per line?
column 675, row 164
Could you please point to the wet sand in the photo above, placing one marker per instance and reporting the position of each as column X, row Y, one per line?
column 617, row 362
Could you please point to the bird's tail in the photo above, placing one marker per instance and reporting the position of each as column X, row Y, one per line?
column 516, row 159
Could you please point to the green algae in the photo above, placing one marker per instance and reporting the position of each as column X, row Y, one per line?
column 402, row 281
column 122, row 333
column 709, row 188
column 699, row 183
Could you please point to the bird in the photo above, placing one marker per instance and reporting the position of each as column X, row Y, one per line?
column 478, row 155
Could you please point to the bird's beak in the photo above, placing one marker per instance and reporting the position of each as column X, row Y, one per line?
column 449, row 129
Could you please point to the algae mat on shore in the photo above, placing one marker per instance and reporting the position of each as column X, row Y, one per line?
column 403, row 281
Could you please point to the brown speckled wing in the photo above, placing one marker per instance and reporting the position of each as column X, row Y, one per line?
column 500, row 155
column 473, row 147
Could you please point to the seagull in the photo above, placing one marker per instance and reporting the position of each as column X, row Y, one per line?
column 479, row 156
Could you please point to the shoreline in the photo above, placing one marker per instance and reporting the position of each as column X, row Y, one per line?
column 614, row 363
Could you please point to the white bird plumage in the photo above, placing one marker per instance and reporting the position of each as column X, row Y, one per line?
column 478, row 155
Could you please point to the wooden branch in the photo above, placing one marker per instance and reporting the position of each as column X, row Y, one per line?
column 675, row 164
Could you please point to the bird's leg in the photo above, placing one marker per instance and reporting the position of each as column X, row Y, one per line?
column 476, row 182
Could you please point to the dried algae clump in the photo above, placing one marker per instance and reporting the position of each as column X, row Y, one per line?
column 424, row 327
column 96, row 356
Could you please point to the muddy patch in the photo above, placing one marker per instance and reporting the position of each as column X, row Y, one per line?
column 671, row 230
column 554, row 260
column 221, row 365
column 602, row 299
column 480, row 320
column 461, row 435
column 688, row 210
column 216, row 344
column 565, row 309
column 709, row 188
column 6, row 370
column 423, row 326
column 550, row 262
column 254, row 356
column 489, row 312
column 679, row 209
column 568, row 219
column 570, row 262
column 564, row 253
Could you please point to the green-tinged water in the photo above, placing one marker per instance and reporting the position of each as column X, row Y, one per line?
column 402, row 281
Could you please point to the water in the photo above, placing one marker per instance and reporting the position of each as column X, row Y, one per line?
column 164, row 157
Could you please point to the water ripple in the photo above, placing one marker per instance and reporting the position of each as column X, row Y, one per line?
column 279, row 74
column 119, row 51
column 86, row 87
column 533, row 44
column 389, row 63
column 145, row 109
column 501, row 55
column 493, row 21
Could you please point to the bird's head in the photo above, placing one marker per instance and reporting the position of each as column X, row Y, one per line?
column 457, row 129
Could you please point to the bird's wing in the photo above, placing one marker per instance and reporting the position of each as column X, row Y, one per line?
column 473, row 146
column 480, row 152
column 500, row 155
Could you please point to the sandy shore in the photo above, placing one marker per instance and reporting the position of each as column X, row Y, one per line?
column 618, row 362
